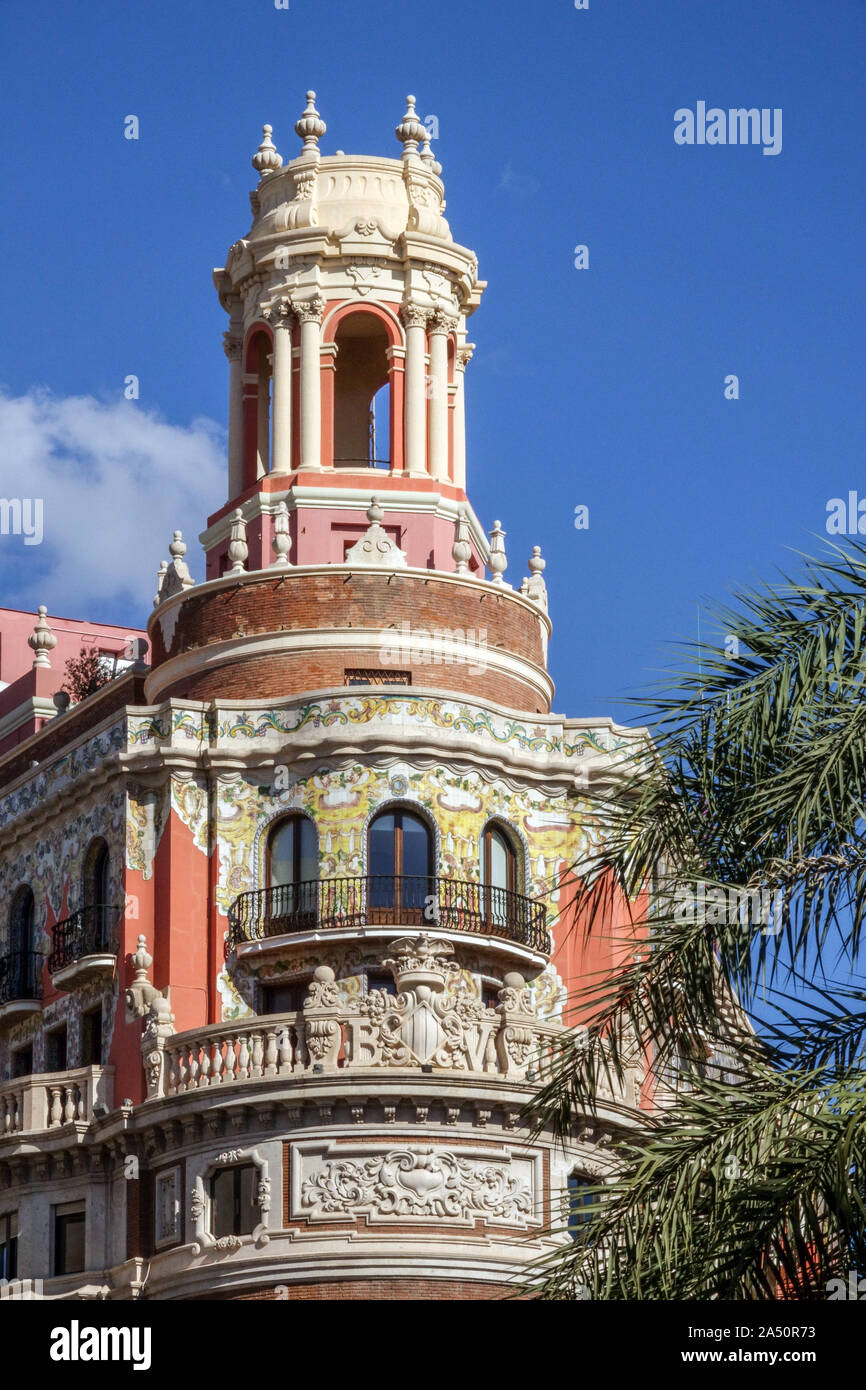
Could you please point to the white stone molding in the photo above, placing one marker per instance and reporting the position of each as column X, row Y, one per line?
column 201, row 1205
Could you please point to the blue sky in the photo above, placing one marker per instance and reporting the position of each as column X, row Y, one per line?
column 602, row 387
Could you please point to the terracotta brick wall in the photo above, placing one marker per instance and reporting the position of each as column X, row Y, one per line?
column 325, row 602
column 418, row 1290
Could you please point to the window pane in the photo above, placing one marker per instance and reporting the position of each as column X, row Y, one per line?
column 249, row 1212
column 309, row 851
column 499, row 860
column 282, row 848
column 69, row 1243
column 223, row 1199
column 382, row 859
column 416, row 846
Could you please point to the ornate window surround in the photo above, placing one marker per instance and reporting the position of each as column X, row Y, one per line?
column 201, row 1206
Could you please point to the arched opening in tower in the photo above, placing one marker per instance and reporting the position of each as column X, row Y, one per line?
column 362, row 394
column 257, row 406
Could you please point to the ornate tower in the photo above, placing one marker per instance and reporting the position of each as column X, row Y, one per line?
column 345, row 820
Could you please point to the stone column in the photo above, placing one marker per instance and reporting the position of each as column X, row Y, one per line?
column 263, row 426
column 440, row 327
column 309, row 313
column 462, row 358
column 281, row 321
column 415, row 319
column 233, row 348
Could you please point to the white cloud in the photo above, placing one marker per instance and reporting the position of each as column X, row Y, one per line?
column 115, row 481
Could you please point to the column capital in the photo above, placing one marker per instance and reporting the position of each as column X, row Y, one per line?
column 309, row 310
column 463, row 356
column 443, row 322
column 233, row 345
column 414, row 315
column 281, row 314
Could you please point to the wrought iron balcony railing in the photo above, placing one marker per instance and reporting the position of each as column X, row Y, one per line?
column 20, row 976
column 88, row 932
column 398, row 900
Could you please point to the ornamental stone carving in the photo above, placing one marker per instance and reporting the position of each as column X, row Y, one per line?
column 376, row 548
column 422, row 1025
column 414, row 315
column 309, row 310
column 429, row 1183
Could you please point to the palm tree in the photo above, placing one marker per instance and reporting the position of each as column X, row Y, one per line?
column 750, row 1184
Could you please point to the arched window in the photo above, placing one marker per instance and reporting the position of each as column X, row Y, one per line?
column 20, row 976
column 498, row 875
column 400, row 866
column 293, row 873
column 258, row 371
column 95, row 897
column 362, row 393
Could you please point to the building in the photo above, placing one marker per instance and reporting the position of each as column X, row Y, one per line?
column 286, row 910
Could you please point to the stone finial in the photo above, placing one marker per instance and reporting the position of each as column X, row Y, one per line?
column 160, row 583
column 141, row 993
column 410, row 131
column 281, row 540
column 238, row 548
column 42, row 639
column 267, row 159
column 428, row 156
column 310, row 126
column 461, row 550
column 376, row 548
column 174, row 575
column 496, row 560
column 536, row 588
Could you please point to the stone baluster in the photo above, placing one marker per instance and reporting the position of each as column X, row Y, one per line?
column 55, row 1113
column 204, row 1077
column 271, row 1052
column 69, row 1105
column 257, row 1055
column 230, row 1064
column 194, row 1066
column 243, row 1057
column 284, row 1048
column 238, row 550
column 217, row 1063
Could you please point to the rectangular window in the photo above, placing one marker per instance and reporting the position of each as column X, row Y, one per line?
column 55, row 1050
column 69, row 1231
column 283, row 999
column 355, row 675
column 22, row 1062
column 233, row 1194
column 9, row 1245
column 580, row 1203
column 91, row 1038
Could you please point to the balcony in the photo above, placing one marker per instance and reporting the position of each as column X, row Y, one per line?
column 20, row 985
column 388, row 900
column 84, row 946
column 51, row 1100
